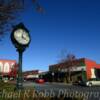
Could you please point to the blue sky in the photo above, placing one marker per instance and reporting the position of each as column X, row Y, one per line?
column 67, row 25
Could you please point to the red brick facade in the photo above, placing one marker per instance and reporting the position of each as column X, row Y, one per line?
column 8, row 68
column 87, row 65
column 90, row 64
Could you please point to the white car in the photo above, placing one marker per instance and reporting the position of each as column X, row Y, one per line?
column 93, row 82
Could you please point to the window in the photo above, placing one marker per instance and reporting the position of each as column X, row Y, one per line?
column 1, row 67
column 6, row 68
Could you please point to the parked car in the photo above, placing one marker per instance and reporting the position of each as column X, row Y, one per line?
column 39, row 80
column 93, row 82
column 90, row 82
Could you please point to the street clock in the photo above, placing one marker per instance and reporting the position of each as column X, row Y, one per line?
column 20, row 37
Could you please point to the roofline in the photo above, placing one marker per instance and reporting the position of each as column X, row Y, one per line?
column 7, row 60
column 86, row 59
column 67, row 61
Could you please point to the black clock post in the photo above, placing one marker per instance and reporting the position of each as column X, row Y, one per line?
column 20, row 43
column 19, row 83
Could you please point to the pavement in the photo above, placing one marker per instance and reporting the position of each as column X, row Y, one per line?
column 57, row 89
column 55, row 83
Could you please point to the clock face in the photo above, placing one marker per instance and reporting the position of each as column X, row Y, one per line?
column 22, row 37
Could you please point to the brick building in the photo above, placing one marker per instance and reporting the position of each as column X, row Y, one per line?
column 32, row 74
column 79, row 69
column 8, row 69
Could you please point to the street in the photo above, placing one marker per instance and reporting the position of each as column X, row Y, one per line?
column 56, row 89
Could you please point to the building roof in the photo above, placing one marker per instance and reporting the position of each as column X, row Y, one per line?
column 69, row 62
column 31, row 72
column 8, row 60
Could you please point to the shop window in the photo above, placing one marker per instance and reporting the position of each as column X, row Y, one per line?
column 1, row 67
column 6, row 68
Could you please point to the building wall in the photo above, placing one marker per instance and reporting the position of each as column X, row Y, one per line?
column 31, row 74
column 85, row 66
column 8, row 67
column 90, row 68
column 68, row 64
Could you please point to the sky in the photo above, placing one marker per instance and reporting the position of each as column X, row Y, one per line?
column 70, row 26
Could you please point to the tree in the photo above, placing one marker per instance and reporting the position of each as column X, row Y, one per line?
column 8, row 11
column 39, row 8
column 67, row 59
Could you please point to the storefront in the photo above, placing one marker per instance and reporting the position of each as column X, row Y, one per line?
column 79, row 69
column 8, row 69
column 32, row 75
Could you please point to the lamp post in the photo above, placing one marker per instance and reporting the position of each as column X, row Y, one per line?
column 53, row 76
column 20, row 38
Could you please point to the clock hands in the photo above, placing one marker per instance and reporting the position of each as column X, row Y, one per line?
column 24, row 37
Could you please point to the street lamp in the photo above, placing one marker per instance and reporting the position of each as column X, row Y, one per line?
column 53, row 76
column 20, row 38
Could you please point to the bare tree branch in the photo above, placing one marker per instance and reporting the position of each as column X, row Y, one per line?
column 67, row 62
column 8, row 11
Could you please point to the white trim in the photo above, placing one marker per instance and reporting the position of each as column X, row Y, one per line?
column 74, row 68
column 6, row 67
column 1, row 67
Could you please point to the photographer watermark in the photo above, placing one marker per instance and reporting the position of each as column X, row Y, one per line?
column 31, row 93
